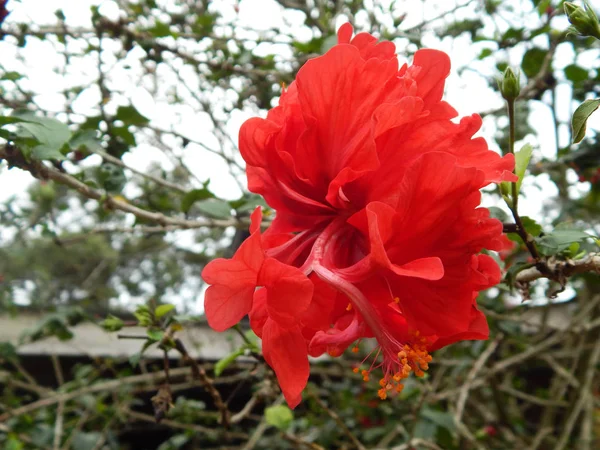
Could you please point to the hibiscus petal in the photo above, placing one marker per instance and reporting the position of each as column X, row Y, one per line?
column 430, row 268
column 336, row 339
column 345, row 33
column 489, row 270
column 392, row 115
column 233, row 281
column 289, row 291
column 259, row 314
column 435, row 68
column 230, row 272
column 285, row 350
column 338, row 93
column 254, row 136
column 225, row 306
column 478, row 331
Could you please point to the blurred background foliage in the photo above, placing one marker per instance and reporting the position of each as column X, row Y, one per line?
column 134, row 107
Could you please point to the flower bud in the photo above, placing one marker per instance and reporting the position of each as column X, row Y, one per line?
column 584, row 21
column 509, row 84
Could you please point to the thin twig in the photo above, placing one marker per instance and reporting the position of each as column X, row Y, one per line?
column 464, row 393
column 337, row 420
column 584, row 393
column 200, row 374
column 261, row 428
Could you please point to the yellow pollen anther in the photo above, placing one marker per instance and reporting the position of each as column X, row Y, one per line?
column 349, row 307
column 412, row 357
column 396, row 300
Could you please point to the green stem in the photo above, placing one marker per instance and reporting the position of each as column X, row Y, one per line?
column 514, row 208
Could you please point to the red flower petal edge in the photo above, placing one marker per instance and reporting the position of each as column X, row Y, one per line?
column 378, row 231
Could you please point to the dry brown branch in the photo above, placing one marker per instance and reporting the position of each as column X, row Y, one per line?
column 584, row 394
column 562, row 269
column 464, row 393
column 200, row 375
column 417, row 442
column 112, row 385
column 301, row 443
column 183, row 426
column 245, row 411
column 560, row 370
column 532, row 398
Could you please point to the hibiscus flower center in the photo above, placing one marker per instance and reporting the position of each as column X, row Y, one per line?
column 397, row 365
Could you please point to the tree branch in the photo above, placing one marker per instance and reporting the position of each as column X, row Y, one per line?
column 562, row 269
column 41, row 171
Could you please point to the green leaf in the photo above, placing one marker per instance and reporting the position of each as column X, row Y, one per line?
column 522, row 158
column 249, row 203
column 134, row 359
column 485, row 53
column 45, row 129
column 126, row 136
column 223, row 363
column 7, row 351
column 111, row 177
column 112, row 323
column 560, row 240
column 531, row 226
column 279, row 416
column 85, row 140
column 575, row 73
column 155, row 335
column 542, row 7
column 11, row 76
column 51, row 134
column 46, row 151
column 214, row 207
column 162, row 310
column 328, row 42
column 441, row 419
column 131, row 116
column 532, row 61
column 86, row 441
column 193, row 196
column 12, row 443
column 580, row 117
column 5, row 120
column 160, row 29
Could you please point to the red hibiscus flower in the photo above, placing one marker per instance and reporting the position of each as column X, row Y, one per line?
column 377, row 230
